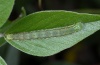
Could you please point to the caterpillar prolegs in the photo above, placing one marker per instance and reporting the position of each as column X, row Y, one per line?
column 46, row 33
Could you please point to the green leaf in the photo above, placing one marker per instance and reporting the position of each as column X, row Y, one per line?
column 6, row 26
column 48, row 20
column 5, row 10
column 2, row 62
column 2, row 30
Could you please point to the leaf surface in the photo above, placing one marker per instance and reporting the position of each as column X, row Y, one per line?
column 2, row 62
column 5, row 10
column 49, row 20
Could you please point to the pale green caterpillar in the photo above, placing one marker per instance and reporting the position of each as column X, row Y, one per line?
column 46, row 33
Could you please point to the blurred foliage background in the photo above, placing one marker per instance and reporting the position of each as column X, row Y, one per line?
column 86, row 52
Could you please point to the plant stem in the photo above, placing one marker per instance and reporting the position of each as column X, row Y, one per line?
column 40, row 4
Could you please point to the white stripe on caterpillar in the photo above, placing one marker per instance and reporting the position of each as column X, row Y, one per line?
column 47, row 33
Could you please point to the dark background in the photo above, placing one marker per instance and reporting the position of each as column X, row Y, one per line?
column 86, row 52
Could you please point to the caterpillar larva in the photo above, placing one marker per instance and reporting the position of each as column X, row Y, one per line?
column 47, row 33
